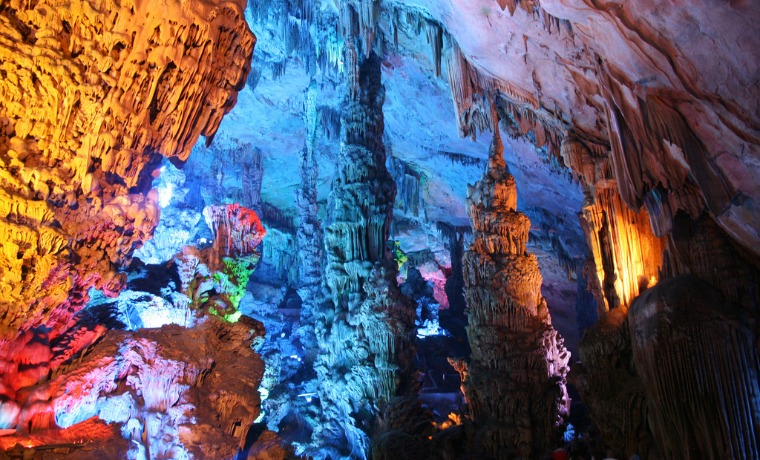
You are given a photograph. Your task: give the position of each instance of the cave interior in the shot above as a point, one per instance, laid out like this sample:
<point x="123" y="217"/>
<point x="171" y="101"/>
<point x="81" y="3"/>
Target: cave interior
<point x="379" y="229"/>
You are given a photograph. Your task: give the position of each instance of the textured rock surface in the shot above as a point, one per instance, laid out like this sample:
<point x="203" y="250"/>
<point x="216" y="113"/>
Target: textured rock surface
<point x="515" y="379"/>
<point x="607" y="379"/>
<point x="365" y="329"/>
<point x="653" y="107"/>
<point x="654" y="83"/>
<point x="92" y="94"/>
<point x="699" y="365"/>
<point x="169" y="390"/>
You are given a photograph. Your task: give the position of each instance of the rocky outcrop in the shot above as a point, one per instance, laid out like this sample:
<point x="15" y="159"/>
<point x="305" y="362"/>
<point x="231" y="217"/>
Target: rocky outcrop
<point x="698" y="360"/>
<point x="169" y="390"/>
<point x="514" y="382"/>
<point x="606" y="376"/>
<point x="93" y="93"/>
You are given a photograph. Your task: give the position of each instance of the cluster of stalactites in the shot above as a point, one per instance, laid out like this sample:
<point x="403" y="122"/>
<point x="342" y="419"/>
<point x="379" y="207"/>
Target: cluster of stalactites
<point x="237" y="230"/>
<point x="514" y="382"/>
<point x="309" y="31"/>
<point x="698" y="361"/>
<point x="550" y="22"/>
<point x="413" y="22"/>
<point x="92" y="94"/>
<point x="626" y="253"/>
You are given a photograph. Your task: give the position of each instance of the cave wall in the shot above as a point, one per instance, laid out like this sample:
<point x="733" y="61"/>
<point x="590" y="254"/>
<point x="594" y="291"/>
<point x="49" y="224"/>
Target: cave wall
<point x="93" y="94"/>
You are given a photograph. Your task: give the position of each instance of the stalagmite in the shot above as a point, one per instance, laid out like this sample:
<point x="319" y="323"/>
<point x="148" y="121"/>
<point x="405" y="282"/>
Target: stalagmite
<point x="365" y="327"/>
<point x="309" y="236"/>
<point x="514" y="382"/>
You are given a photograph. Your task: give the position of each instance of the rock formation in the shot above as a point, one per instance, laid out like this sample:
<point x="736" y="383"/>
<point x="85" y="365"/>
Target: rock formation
<point x="698" y="385"/>
<point x="309" y="237"/>
<point x="169" y="389"/>
<point x="365" y="329"/>
<point x="514" y="381"/>
<point x="92" y="95"/>
<point x="606" y="377"/>
<point x="645" y="112"/>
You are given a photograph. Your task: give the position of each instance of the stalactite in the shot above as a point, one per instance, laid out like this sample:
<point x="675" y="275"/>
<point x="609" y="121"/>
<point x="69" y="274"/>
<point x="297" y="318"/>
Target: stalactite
<point x="252" y="177"/>
<point x="514" y="382"/>
<point x="523" y="119"/>
<point x="468" y="89"/>
<point x="456" y="239"/>
<point x="627" y="255"/>
<point x="461" y="159"/>
<point x="329" y="120"/>
<point x="408" y="181"/>
<point x="434" y="35"/>
<point x="276" y="217"/>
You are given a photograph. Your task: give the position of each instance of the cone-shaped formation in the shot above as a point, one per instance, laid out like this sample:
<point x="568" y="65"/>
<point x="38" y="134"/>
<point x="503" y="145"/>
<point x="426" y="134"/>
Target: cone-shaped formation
<point x="365" y="329"/>
<point x="515" y="380"/>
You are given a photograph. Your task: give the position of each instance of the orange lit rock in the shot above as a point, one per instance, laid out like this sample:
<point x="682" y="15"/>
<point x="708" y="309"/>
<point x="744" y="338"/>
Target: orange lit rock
<point x="514" y="382"/>
<point x="627" y="255"/>
<point x="91" y="95"/>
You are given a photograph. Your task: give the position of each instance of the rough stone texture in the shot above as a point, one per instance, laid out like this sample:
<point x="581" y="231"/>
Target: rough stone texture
<point x="309" y="236"/>
<point x="699" y="365"/>
<point x="514" y="382"/>
<point x="92" y="94"/>
<point x="654" y="84"/>
<point x="606" y="377"/>
<point x="169" y="390"/>
<point x="365" y="329"/>
<point x="627" y="255"/>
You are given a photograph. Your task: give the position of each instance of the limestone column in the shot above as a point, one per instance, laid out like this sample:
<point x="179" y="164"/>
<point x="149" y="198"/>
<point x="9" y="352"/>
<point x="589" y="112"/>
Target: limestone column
<point x="514" y="383"/>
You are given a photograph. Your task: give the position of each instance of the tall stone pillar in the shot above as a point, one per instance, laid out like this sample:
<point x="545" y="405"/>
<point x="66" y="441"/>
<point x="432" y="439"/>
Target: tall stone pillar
<point x="514" y="382"/>
<point x="365" y="327"/>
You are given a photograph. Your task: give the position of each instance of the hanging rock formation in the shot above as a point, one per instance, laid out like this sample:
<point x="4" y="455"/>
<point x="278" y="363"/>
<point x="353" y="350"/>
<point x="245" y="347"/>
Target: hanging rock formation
<point x="514" y="382"/>
<point x="92" y="94"/>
